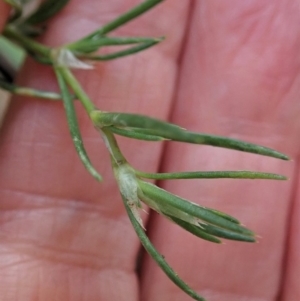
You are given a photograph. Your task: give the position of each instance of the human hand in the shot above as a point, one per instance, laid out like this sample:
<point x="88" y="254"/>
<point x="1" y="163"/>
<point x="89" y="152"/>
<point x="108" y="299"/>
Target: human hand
<point x="65" y="237"/>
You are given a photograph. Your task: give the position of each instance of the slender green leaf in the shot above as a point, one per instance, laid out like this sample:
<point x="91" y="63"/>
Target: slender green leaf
<point x="158" y="258"/>
<point x="165" y="209"/>
<point x="175" y="133"/>
<point x="87" y="46"/>
<point x="242" y="174"/>
<point x="197" y="231"/>
<point x="206" y="231"/>
<point x="73" y="125"/>
<point x="210" y="229"/>
<point x="156" y="193"/>
<point x="148" y="131"/>
<point x="135" y="135"/>
<point x="123" y="19"/>
<point x="47" y="10"/>
<point x="122" y="53"/>
<point x="135" y="121"/>
<point x="224" y="215"/>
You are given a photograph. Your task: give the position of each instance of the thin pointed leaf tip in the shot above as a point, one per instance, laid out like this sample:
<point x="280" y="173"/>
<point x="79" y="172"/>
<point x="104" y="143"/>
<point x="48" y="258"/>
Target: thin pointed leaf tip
<point x="203" y="222"/>
<point x="169" y="131"/>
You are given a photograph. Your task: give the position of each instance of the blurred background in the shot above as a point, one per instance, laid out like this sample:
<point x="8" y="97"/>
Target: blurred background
<point x="11" y="58"/>
<point x="4" y="100"/>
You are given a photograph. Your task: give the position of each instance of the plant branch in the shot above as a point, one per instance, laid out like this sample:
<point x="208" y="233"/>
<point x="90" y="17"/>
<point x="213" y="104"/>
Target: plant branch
<point x="113" y="147"/>
<point x="79" y="92"/>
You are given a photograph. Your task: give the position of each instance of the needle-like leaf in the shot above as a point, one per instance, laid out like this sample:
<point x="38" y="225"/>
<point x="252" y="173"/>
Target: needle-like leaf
<point x="224" y="233"/>
<point x="159" y="259"/>
<point x="224" y="215"/>
<point x="206" y="223"/>
<point x="197" y="231"/>
<point x="123" y="19"/>
<point x="135" y="135"/>
<point x="208" y="216"/>
<point x="87" y="46"/>
<point x="241" y="174"/>
<point x="121" y="53"/>
<point x="170" y="131"/>
<point x="73" y="125"/>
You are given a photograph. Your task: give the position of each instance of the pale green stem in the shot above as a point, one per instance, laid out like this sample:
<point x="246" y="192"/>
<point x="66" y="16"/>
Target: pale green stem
<point x="112" y="145"/>
<point x="76" y="87"/>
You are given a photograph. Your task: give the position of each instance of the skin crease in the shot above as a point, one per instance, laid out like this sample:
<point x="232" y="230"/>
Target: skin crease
<point x="65" y="237"/>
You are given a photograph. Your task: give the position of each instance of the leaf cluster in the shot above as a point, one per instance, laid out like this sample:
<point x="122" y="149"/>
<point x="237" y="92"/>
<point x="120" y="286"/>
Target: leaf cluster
<point x="206" y="223"/>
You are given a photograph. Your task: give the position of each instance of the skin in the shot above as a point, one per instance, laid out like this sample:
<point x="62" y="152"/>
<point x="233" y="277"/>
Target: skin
<point x="228" y="68"/>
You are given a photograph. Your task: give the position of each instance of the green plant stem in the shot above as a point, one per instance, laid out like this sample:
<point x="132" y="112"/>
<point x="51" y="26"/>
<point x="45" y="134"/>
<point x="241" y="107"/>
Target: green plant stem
<point x="79" y="92"/>
<point x="30" y="45"/>
<point x="112" y="145"/>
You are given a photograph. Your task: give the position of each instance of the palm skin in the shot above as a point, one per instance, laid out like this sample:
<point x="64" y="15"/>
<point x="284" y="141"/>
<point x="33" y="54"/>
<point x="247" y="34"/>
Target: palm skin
<point x="229" y="68"/>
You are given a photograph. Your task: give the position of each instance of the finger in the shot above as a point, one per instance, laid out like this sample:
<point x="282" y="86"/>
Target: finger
<point x="291" y="290"/>
<point x="239" y="78"/>
<point x="63" y="235"/>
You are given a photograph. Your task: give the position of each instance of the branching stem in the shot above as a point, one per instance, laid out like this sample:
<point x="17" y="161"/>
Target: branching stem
<point x="79" y="92"/>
